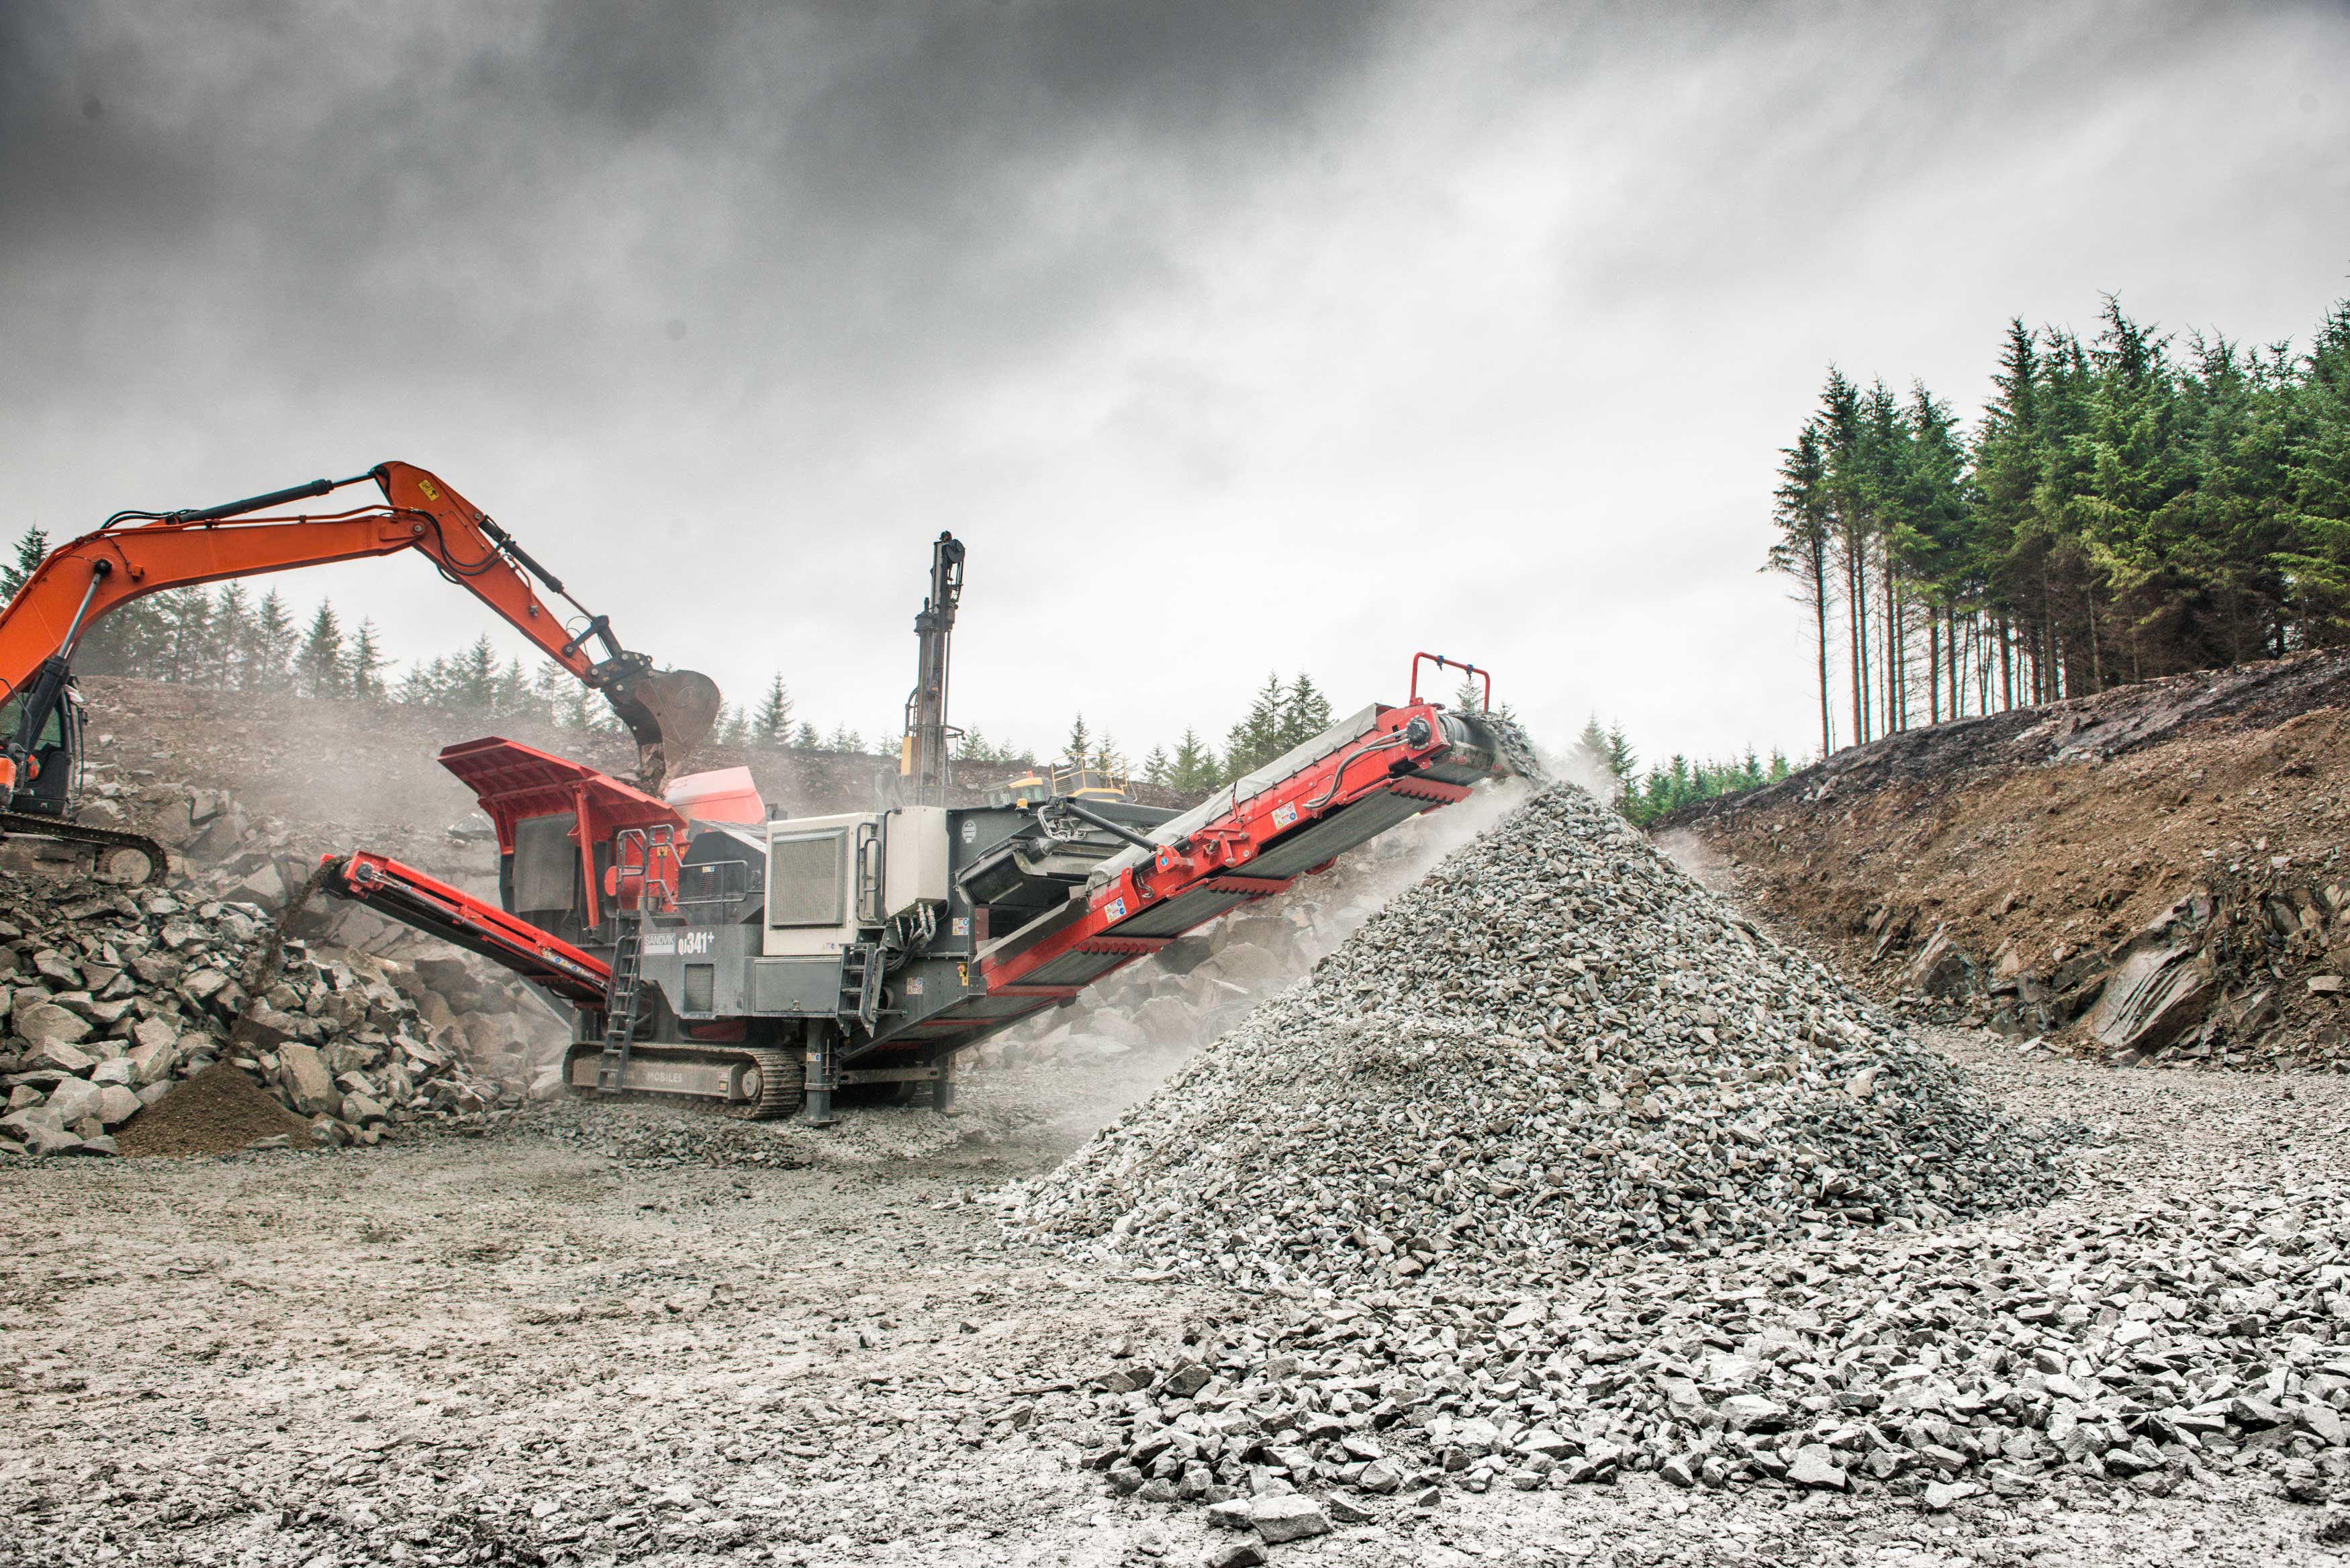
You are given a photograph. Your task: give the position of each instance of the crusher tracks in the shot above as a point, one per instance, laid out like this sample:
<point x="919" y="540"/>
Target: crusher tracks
<point x="112" y="851"/>
<point x="774" y="1078"/>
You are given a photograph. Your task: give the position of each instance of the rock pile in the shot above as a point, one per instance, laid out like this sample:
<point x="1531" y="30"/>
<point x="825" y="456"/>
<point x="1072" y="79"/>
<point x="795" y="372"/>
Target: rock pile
<point x="1558" y="1051"/>
<point x="367" y="1024"/>
<point x="114" y="995"/>
<point x="1558" y="1171"/>
<point x="2151" y="1349"/>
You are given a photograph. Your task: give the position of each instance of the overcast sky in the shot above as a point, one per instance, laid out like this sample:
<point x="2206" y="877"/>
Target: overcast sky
<point x="1232" y="336"/>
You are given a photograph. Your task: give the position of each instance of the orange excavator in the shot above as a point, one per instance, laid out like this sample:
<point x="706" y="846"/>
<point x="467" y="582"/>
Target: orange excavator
<point x="667" y="712"/>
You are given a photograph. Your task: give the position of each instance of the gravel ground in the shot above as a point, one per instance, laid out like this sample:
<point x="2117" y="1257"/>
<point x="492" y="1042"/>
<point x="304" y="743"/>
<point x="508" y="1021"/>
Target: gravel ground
<point x="575" y="1340"/>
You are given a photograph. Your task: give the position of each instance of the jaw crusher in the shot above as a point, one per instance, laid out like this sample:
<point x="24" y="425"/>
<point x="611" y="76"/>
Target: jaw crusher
<point x="757" y="966"/>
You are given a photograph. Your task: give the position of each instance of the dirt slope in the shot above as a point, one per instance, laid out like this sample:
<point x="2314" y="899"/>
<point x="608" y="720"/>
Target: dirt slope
<point x="2156" y="872"/>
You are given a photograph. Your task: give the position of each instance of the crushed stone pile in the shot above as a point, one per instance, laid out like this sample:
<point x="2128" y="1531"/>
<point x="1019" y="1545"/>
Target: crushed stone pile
<point x="1556" y="1051"/>
<point x="1558" y="1171"/>
<point x="114" y="996"/>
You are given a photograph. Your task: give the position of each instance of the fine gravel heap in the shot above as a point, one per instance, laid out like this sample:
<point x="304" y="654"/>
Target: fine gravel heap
<point x="1555" y="1052"/>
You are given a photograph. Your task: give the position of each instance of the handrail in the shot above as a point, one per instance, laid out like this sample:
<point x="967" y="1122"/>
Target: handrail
<point x="1444" y="663"/>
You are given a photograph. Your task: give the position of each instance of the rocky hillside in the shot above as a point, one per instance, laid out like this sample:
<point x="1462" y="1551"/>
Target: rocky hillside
<point x="2155" y="874"/>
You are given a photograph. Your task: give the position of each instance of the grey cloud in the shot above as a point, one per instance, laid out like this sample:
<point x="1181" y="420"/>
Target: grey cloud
<point x="844" y="196"/>
<point x="1147" y="296"/>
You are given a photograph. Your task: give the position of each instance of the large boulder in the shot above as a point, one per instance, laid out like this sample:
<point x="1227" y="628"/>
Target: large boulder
<point x="153" y="1058"/>
<point x="1248" y="964"/>
<point x="1941" y="969"/>
<point x="47" y="1024"/>
<point x="268" y="1028"/>
<point x="73" y="1099"/>
<point x="309" y="1085"/>
<point x="2157" y="994"/>
<point x="1288" y="1516"/>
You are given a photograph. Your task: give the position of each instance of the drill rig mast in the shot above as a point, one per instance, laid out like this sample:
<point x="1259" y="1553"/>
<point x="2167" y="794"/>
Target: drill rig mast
<point x="922" y="755"/>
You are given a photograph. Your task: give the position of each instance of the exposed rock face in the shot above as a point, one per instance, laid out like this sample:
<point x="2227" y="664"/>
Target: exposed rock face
<point x="2152" y="997"/>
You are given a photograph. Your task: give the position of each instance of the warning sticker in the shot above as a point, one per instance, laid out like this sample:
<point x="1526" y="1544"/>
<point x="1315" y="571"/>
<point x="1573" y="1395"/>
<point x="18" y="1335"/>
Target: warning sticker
<point x="1285" y="816"/>
<point x="1117" y="909"/>
<point x="914" y="986"/>
<point x="963" y="925"/>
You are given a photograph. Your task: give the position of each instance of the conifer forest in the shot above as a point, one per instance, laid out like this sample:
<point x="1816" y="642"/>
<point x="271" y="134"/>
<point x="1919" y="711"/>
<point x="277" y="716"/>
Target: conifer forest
<point x="2129" y="505"/>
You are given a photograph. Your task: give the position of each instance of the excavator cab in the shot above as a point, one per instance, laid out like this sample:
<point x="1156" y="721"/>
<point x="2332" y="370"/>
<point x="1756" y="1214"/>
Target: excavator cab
<point x="49" y="782"/>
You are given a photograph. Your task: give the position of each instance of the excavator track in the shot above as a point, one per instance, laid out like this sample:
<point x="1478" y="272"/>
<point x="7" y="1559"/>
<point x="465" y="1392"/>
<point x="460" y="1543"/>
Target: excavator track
<point x="772" y="1079"/>
<point x="109" y="846"/>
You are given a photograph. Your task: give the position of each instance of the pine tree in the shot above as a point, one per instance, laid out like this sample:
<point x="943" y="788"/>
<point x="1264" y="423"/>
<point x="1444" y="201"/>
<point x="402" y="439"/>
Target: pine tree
<point x="271" y="644"/>
<point x="578" y="707"/>
<point x="510" y="692"/>
<point x="2123" y="510"/>
<point x="32" y="548"/>
<point x="805" y="739"/>
<point x="1195" y="766"/>
<point x="318" y="665"/>
<point x="1304" y="713"/>
<point x="773" y="722"/>
<point x="182" y="643"/>
<point x="1080" y="744"/>
<point x="232" y="632"/>
<point x="1803" y="515"/>
<point x="1622" y="760"/>
<point x="2316" y="484"/>
<point x="474" y="677"/>
<point x="1158" y="768"/>
<point x="1256" y="739"/>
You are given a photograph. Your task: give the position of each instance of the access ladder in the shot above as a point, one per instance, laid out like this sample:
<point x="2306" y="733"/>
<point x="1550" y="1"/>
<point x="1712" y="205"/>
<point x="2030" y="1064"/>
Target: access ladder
<point x="620" y="1002"/>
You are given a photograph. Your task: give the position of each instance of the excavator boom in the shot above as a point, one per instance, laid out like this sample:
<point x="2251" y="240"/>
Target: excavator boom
<point x="668" y="713"/>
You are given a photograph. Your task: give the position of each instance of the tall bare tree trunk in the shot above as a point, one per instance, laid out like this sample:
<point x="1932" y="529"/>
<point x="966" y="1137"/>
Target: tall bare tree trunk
<point x="1862" y="689"/>
<point x="1958" y="689"/>
<point x="2006" y="667"/>
<point x="1933" y="668"/>
<point x="1892" y="648"/>
<point x="1820" y="618"/>
<point x="2097" y="663"/>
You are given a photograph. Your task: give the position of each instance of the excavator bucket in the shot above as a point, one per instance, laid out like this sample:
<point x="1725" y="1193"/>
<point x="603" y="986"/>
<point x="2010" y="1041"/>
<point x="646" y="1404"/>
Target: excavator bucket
<point x="669" y="712"/>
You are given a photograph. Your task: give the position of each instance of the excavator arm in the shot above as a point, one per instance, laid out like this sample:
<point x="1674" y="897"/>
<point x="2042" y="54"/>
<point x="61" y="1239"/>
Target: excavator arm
<point x="136" y="554"/>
